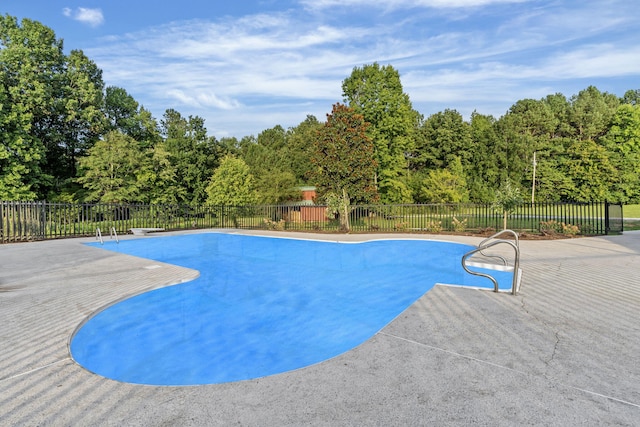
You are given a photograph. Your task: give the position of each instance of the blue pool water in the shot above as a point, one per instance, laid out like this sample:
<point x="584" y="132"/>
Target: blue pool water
<point x="261" y="305"/>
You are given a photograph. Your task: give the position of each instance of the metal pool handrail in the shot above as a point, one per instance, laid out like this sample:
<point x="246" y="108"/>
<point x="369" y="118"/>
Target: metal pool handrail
<point x="490" y="242"/>
<point x="112" y="234"/>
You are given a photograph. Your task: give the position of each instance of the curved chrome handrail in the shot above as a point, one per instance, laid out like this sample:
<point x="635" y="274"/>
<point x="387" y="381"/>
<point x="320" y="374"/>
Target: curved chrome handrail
<point x="113" y="233"/>
<point x="494" y="236"/>
<point x="500" y="233"/>
<point x="486" y="244"/>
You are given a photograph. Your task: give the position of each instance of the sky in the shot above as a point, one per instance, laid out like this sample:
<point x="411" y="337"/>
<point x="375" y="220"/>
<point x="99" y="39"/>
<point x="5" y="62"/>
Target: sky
<point x="246" y="66"/>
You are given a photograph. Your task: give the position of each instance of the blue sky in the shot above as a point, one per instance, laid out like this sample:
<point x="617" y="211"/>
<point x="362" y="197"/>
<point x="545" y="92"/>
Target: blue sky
<point x="245" y="66"/>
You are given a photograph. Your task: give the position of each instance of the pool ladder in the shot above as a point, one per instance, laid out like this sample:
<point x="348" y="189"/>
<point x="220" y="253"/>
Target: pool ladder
<point x="112" y="234"/>
<point x="490" y="242"/>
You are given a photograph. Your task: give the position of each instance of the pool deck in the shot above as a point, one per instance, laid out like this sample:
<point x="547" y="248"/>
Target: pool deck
<point x="564" y="352"/>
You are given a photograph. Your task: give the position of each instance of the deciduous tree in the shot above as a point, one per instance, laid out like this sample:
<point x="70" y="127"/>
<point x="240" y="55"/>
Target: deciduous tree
<point x="376" y="93"/>
<point x="110" y="171"/>
<point x="192" y="154"/>
<point x="231" y="184"/>
<point x="31" y="63"/>
<point x="447" y="185"/>
<point x="623" y="143"/>
<point x="51" y="108"/>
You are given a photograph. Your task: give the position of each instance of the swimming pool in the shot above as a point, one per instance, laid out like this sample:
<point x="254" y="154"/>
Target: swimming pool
<point x="261" y="305"/>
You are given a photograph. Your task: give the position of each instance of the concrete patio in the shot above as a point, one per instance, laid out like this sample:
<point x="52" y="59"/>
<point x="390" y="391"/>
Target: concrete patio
<point x="564" y="352"/>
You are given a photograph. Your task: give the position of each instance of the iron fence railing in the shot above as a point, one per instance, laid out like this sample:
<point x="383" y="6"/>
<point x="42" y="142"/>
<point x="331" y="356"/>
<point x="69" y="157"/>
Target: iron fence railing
<point x="23" y="221"/>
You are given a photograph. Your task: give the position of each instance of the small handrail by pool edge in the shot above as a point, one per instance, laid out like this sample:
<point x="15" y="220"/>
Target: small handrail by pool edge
<point x="490" y="242"/>
<point x="113" y="233"/>
<point x="99" y="235"/>
<point x="494" y="236"/>
<point x="500" y="233"/>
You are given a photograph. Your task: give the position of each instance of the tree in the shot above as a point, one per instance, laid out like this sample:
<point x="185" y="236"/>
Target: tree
<point x="231" y="184"/>
<point x="442" y="138"/>
<point x="526" y="128"/>
<point x="110" y="171"/>
<point x="273" y="178"/>
<point x="192" y="154"/>
<point x="31" y="61"/>
<point x="591" y="113"/>
<point x="589" y="166"/>
<point x="487" y="159"/>
<point x="631" y="97"/>
<point x="376" y="93"/>
<point x="344" y="160"/>
<point x="446" y="185"/>
<point x="125" y="115"/>
<point x="560" y="107"/>
<point x="80" y="121"/>
<point x="273" y="138"/>
<point x="270" y="164"/>
<point x="51" y="109"/>
<point x="20" y="153"/>
<point x="227" y="146"/>
<point x="157" y="177"/>
<point x="298" y="144"/>
<point x="120" y="109"/>
<point x="508" y="198"/>
<point x="623" y="143"/>
<point x="553" y="180"/>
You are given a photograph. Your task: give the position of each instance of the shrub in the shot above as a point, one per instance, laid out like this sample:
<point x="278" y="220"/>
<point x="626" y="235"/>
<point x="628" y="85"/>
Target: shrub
<point x="549" y="228"/>
<point x="552" y="227"/>
<point x="459" y="226"/>
<point x="274" y="225"/>
<point x="400" y="226"/>
<point x="433" y="227"/>
<point x="570" y="230"/>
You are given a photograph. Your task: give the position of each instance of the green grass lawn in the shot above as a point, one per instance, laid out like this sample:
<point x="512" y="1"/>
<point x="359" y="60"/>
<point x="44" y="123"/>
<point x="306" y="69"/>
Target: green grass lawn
<point x="631" y="211"/>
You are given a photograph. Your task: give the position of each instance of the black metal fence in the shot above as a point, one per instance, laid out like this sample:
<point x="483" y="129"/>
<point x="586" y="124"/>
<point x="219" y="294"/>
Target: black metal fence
<point x="24" y="221"/>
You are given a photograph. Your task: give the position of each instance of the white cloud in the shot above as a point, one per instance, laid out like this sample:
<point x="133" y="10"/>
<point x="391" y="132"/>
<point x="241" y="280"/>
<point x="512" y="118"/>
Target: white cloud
<point x="250" y="73"/>
<point x="203" y="99"/>
<point x="91" y="17"/>
<point x="591" y="61"/>
<point x="279" y="58"/>
<point x="397" y="4"/>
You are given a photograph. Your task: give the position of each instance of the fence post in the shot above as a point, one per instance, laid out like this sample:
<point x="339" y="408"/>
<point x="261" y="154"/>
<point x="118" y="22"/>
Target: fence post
<point x="613" y="227"/>
<point x="43" y="220"/>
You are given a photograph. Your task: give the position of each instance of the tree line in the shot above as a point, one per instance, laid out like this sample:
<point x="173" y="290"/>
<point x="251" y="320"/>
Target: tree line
<point x="66" y="136"/>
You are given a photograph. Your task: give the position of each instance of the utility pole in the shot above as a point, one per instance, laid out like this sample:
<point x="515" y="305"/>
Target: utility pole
<point x="533" y="185"/>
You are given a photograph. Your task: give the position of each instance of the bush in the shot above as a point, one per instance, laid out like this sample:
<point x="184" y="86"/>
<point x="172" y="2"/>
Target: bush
<point x="433" y="227"/>
<point x="399" y="226"/>
<point x="552" y="228"/>
<point x="459" y="226"/>
<point x="274" y="225"/>
<point x="570" y="230"/>
<point x="549" y="228"/>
